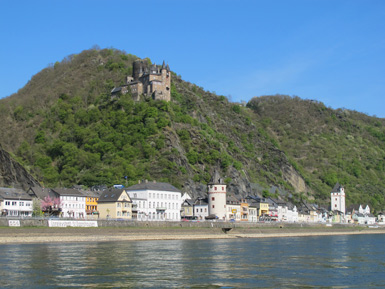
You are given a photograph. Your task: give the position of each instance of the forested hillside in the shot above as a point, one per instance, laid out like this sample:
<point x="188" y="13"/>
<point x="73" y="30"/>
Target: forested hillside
<point x="65" y="128"/>
<point x="329" y="145"/>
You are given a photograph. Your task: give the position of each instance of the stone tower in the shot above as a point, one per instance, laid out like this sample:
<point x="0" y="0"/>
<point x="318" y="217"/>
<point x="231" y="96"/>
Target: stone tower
<point x="337" y="196"/>
<point x="216" y="190"/>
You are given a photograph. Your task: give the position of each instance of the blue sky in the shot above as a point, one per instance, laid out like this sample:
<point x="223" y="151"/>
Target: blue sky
<point x="328" y="50"/>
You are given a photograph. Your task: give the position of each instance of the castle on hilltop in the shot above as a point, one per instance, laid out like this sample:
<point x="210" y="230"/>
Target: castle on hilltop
<point x="147" y="79"/>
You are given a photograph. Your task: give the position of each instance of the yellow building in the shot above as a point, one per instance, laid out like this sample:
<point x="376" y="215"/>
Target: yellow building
<point x="115" y="204"/>
<point x="244" y="211"/>
<point x="263" y="208"/>
<point x="91" y="203"/>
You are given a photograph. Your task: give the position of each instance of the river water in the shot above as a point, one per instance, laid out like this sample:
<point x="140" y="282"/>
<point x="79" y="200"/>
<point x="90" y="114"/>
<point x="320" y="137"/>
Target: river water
<point x="355" y="261"/>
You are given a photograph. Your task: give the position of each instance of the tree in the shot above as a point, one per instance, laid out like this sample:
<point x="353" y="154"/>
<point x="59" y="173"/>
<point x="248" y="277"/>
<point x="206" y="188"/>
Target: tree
<point x="36" y="208"/>
<point x="52" y="206"/>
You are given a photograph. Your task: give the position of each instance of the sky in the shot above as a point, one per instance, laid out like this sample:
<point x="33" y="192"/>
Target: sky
<point x="332" y="51"/>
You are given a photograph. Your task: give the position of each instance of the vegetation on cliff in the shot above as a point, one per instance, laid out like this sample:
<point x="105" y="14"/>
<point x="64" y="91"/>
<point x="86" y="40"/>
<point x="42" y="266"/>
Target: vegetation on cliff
<point x="65" y="128"/>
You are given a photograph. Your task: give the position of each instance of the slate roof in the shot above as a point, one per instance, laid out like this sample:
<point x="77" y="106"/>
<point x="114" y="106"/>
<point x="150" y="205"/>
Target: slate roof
<point x="201" y="202"/>
<point x="337" y="188"/>
<point x="110" y="196"/>
<point x="40" y="193"/>
<point x="216" y="179"/>
<point x="153" y="186"/>
<point x="67" y="192"/>
<point x="188" y="202"/>
<point x="13" y="194"/>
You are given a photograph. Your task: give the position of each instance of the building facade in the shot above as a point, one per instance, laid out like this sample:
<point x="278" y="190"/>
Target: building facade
<point x="155" y="201"/>
<point x="216" y="190"/>
<point x="15" y="203"/>
<point x="337" y="197"/>
<point x="115" y="204"/>
<point x="72" y="202"/>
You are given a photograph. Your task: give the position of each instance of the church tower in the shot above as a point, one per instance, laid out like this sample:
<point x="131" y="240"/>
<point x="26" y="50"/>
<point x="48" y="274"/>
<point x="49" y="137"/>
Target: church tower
<point x="216" y="190"/>
<point x="337" y="196"/>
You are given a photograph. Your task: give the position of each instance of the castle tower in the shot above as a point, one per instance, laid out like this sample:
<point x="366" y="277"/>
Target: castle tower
<point x="337" y="196"/>
<point x="216" y="190"/>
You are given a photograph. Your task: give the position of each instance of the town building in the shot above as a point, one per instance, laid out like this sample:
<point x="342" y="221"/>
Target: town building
<point x="91" y="203"/>
<point x="72" y="202"/>
<point x="337" y="197"/>
<point x="15" y="203"/>
<point x="147" y="79"/>
<point x="233" y="209"/>
<point x="115" y="204"/>
<point x="244" y="208"/>
<point x="201" y="208"/>
<point x="155" y="201"/>
<point x="187" y="209"/>
<point x="216" y="190"/>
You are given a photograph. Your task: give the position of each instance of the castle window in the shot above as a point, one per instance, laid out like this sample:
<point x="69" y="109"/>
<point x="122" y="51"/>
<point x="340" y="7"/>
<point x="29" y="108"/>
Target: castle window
<point x="213" y="199"/>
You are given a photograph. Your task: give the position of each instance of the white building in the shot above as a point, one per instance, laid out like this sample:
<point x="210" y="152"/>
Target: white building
<point x="216" y="190"/>
<point x="72" y="202"/>
<point x="155" y="201"/>
<point x="337" y="197"/>
<point x="201" y="208"/>
<point x="15" y="203"/>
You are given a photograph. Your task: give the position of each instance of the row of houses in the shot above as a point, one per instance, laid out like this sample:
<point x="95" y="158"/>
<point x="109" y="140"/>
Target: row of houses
<point x="156" y="201"/>
<point x="143" y="201"/>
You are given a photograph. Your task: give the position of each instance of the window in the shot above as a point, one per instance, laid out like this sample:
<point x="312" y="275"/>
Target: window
<point x="215" y="188"/>
<point x="13" y="203"/>
<point x="21" y="204"/>
<point x="223" y="188"/>
<point x="212" y="198"/>
<point x="118" y="205"/>
<point x="213" y="206"/>
<point x="7" y="203"/>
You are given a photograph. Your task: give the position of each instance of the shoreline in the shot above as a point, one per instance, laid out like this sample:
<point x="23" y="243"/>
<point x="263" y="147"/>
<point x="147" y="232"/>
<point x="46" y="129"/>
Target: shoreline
<point x="36" y="235"/>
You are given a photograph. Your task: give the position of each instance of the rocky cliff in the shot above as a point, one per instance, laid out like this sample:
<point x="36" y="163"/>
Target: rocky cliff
<point x="12" y="174"/>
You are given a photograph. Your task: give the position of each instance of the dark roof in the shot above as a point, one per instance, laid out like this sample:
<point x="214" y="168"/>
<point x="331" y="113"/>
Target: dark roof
<point x="40" y="193"/>
<point x="337" y="188"/>
<point x="111" y="196"/>
<point x="90" y="194"/>
<point x="154" y="186"/>
<point x="116" y="89"/>
<point x="14" y="194"/>
<point x="188" y="202"/>
<point x="201" y="202"/>
<point x="216" y="179"/>
<point x="67" y="192"/>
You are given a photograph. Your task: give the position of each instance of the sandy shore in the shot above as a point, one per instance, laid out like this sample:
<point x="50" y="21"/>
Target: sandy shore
<point x="10" y="235"/>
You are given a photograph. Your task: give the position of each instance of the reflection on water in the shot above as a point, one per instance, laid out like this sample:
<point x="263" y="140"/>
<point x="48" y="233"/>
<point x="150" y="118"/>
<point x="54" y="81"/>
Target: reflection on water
<point x="307" y="262"/>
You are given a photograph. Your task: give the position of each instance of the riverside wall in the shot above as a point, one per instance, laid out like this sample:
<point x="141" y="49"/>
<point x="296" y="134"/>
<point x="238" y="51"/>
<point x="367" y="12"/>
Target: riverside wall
<point x="43" y="222"/>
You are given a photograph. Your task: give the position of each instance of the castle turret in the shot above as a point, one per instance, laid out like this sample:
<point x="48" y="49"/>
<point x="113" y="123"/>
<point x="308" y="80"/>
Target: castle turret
<point x="216" y="190"/>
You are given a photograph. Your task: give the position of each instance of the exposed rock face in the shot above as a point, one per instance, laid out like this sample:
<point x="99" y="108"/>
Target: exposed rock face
<point x="12" y="174"/>
<point x="291" y="176"/>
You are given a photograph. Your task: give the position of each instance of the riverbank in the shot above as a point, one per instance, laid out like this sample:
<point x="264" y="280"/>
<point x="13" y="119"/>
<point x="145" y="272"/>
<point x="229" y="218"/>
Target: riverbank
<point x="9" y="235"/>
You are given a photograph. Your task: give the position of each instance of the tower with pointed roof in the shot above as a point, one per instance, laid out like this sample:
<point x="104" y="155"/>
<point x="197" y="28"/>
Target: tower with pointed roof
<point x="337" y="196"/>
<point x="216" y="190"/>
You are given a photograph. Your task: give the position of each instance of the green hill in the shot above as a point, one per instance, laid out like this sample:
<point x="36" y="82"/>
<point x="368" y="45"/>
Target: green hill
<point x="65" y="129"/>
